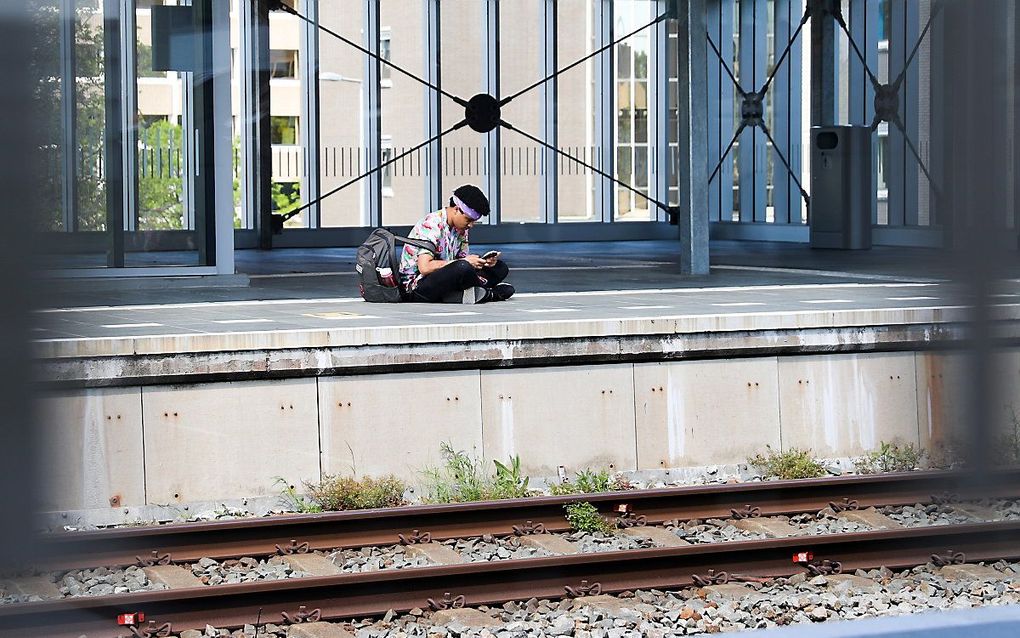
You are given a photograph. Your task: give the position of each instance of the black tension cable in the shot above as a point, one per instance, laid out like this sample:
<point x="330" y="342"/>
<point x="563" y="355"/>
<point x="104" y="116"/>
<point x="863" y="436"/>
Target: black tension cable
<point x="887" y="96"/>
<point x="586" y="165"/>
<point x="752" y="108"/>
<point x="279" y="5"/>
<point x="378" y="168"/>
<point x="481" y="113"/>
<point x="559" y="72"/>
<point x="887" y="100"/>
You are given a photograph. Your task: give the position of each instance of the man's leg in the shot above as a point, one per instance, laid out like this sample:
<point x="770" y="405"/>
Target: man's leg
<point x="445" y="284"/>
<point x="495" y="274"/>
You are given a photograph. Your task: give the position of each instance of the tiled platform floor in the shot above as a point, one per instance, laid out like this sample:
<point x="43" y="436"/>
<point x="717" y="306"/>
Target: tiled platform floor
<point x="302" y="289"/>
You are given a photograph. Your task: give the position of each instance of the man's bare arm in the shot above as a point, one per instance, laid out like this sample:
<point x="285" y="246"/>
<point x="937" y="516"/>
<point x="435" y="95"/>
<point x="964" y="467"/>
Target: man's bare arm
<point x="428" y="264"/>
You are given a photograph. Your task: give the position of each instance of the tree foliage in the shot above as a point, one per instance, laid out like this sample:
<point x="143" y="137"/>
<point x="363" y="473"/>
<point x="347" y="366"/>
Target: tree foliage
<point x="160" y="186"/>
<point x="89" y="115"/>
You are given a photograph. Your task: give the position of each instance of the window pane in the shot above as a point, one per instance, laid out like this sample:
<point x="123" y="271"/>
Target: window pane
<point x="341" y="117"/>
<point x="47" y="101"/>
<point x="284" y="130"/>
<point x="575" y="110"/>
<point x="463" y="151"/>
<point x="403" y="115"/>
<point x="90" y="116"/>
<point x="641" y="167"/>
<point x="285" y="102"/>
<point x="283" y="64"/>
<point x="624" y="166"/>
<point x="641" y="126"/>
<point x="162" y="154"/>
<point x="520" y="66"/>
<point x="623" y="58"/>
<point x="641" y="61"/>
<point x="632" y="105"/>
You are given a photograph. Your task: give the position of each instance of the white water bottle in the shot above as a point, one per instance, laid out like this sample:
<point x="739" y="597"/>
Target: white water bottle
<point x="386" y="277"/>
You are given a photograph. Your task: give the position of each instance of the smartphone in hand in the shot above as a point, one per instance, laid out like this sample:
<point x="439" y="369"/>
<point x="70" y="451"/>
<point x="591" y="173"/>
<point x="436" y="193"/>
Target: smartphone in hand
<point x="492" y="254"/>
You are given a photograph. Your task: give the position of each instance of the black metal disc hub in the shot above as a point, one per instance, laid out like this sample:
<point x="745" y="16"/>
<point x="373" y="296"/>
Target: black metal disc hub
<point x="482" y="113"/>
<point x="752" y="109"/>
<point x="887" y="102"/>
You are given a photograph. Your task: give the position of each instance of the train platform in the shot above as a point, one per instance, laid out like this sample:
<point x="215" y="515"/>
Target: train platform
<point x="594" y="292"/>
<point x="606" y="345"/>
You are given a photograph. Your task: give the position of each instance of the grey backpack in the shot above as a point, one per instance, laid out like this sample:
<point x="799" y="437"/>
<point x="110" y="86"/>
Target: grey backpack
<point x="378" y="265"/>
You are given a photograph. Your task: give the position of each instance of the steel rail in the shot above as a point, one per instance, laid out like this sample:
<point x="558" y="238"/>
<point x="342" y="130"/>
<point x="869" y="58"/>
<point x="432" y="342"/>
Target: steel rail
<point x="368" y="594"/>
<point x="252" y="537"/>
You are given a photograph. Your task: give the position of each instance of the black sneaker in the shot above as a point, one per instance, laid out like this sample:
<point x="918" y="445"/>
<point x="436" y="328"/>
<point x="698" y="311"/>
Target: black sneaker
<point x="502" y="292"/>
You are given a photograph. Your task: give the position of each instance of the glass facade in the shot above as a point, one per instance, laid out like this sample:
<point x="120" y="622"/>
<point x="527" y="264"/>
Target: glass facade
<point x="126" y="188"/>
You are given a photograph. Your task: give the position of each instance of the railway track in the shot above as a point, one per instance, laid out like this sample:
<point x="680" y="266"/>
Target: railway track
<point x="250" y="537"/>
<point x="365" y="594"/>
<point x="373" y="593"/>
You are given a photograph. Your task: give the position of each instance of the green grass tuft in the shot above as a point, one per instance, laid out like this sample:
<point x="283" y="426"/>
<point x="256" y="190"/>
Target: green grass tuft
<point x="890" y="457"/>
<point x="792" y="464"/>
<point x="337" y="493"/>
<point x="462" y="479"/>
<point x="590" y="482"/>
<point x="585" y="517"/>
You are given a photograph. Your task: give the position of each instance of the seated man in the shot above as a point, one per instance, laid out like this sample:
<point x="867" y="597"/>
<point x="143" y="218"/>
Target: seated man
<point x="454" y="275"/>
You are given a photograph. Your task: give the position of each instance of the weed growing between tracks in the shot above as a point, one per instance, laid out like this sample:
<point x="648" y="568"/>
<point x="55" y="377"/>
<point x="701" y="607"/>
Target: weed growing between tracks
<point x="792" y="464"/>
<point x="336" y="493"/>
<point x="890" y="457"/>
<point x="585" y="517"/>
<point x="590" y="482"/>
<point x="463" y="479"/>
<point x="294" y="501"/>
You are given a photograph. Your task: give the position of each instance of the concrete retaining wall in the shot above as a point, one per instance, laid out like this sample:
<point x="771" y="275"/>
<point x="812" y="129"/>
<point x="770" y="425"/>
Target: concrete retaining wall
<point x="170" y="444"/>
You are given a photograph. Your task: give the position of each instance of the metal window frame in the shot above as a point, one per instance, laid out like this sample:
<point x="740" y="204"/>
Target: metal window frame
<point x="903" y="173"/>
<point x="371" y="96"/>
<point x="223" y="141"/>
<point x="214" y="237"/>
<point x="605" y="113"/>
<point x="69" y="108"/>
<point x="549" y="195"/>
<point x="751" y="154"/>
<point x="129" y="78"/>
<point x="308" y="54"/>
<point x="863" y="18"/>
<point x="204" y="92"/>
<point x="787" y="116"/>
<point x="490" y="79"/>
<point x="433" y="104"/>
<point x="256" y="140"/>
<point x="721" y="123"/>
<point x="659" y="155"/>
<point x="113" y="139"/>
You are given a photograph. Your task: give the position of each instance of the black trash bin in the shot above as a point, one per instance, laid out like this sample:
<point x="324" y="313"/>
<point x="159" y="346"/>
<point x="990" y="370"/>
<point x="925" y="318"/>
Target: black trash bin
<point x="841" y="187"/>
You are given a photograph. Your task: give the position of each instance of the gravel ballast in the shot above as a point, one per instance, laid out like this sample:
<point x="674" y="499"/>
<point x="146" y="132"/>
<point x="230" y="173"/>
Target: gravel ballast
<point x="694" y="611"/>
